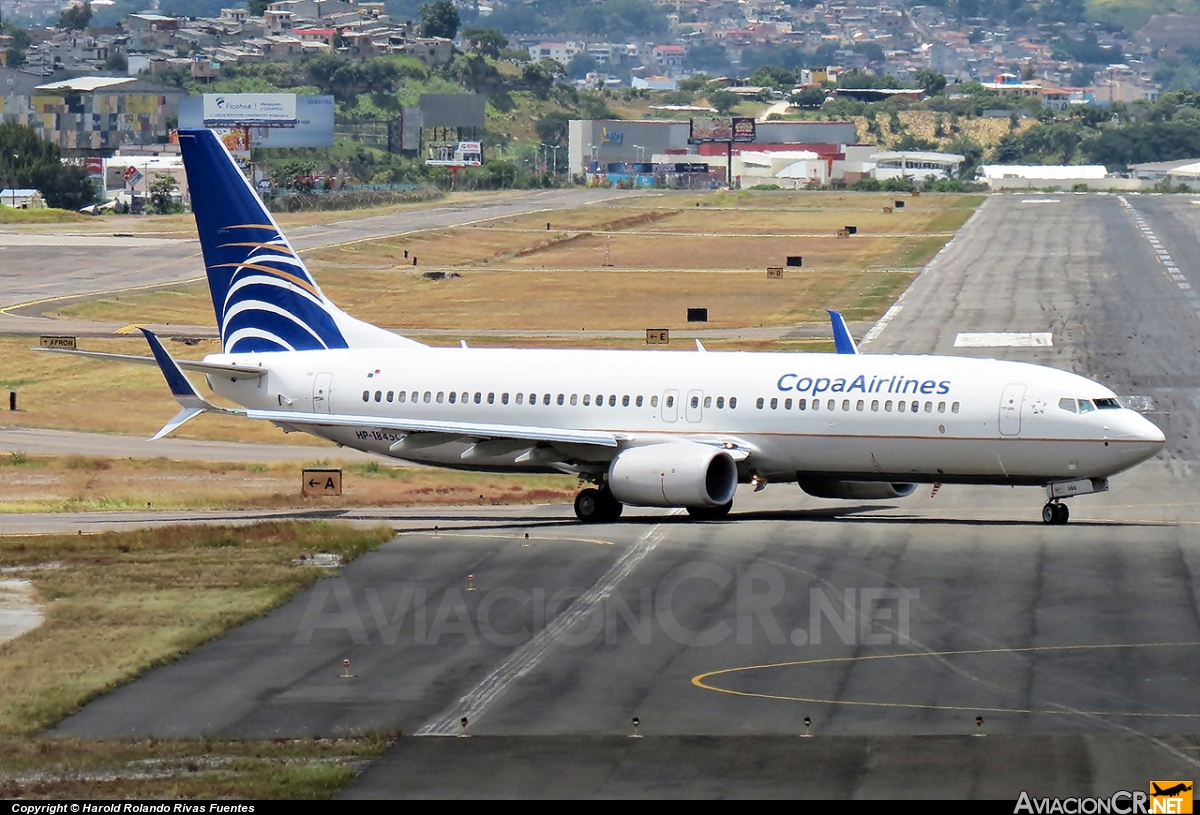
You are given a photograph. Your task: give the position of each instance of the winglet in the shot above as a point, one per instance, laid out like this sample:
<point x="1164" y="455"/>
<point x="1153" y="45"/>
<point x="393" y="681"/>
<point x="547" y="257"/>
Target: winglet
<point x="185" y="393"/>
<point x="843" y="343"/>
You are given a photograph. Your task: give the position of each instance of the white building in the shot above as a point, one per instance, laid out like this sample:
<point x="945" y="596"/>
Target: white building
<point x="915" y="165"/>
<point x="1022" y="176"/>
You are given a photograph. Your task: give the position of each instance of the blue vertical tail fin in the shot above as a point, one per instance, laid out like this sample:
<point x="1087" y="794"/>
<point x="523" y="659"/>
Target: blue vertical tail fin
<point x="263" y="295"/>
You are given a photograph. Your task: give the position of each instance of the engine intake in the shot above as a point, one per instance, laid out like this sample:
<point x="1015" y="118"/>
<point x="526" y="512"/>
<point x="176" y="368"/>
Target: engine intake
<point x="673" y="474"/>
<point x="857" y="490"/>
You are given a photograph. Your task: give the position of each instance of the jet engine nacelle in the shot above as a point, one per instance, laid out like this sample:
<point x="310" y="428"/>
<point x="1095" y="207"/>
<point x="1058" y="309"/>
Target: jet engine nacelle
<point x="857" y="490"/>
<point x="673" y="474"/>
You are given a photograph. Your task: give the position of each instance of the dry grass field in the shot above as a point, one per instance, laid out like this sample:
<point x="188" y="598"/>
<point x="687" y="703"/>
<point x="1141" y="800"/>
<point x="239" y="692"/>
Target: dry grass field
<point x="85" y="483"/>
<point x="117" y="604"/>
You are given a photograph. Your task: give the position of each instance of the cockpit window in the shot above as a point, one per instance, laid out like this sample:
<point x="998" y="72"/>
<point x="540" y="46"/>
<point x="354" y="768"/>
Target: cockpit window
<point x="1067" y="405"/>
<point x="1107" y="404"/>
<point x="1086" y="406"/>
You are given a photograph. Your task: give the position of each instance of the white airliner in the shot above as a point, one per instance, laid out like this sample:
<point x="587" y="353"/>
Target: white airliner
<point x="647" y="428"/>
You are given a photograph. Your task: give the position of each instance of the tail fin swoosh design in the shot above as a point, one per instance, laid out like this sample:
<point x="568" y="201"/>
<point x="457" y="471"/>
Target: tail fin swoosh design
<point x="262" y="293"/>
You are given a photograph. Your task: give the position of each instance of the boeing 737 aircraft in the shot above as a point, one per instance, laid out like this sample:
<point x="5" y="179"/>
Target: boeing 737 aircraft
<point x="646" y="428"/>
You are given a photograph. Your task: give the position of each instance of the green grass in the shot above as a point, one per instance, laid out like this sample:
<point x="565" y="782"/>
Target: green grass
<point x="10" y="215"/>
<point x="922" y="251"/>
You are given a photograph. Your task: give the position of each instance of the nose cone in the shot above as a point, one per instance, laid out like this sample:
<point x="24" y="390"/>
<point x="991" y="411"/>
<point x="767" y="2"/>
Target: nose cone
<point x="1139" y="438"/>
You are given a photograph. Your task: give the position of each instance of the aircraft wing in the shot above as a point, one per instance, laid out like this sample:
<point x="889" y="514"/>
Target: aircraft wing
<point x="185" y="364"/>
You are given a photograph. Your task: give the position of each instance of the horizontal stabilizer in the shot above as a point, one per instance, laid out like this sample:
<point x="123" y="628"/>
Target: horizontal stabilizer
<point x="843" y="343"/>
<point x="186" y="364"/>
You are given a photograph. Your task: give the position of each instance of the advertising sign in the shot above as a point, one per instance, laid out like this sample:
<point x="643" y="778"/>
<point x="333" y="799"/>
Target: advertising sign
<point x="249" y="108"/>
<point x="313" y="126"/>
<point x="722" y="129"/>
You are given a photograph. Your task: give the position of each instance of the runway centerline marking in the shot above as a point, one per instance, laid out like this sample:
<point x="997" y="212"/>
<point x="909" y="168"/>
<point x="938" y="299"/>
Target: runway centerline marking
<point x="523" y="660"/>
<point x="702" y="680"/>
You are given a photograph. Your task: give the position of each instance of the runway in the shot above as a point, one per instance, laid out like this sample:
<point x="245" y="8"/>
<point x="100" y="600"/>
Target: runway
<point x="891" y="625"/>
<point x="40" y="269"/>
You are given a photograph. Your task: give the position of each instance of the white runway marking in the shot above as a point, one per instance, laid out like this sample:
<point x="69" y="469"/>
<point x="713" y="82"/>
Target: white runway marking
<point x="526" y="658"/>
<point x="1004" y="339"/>
<point x="1039" y="200"/>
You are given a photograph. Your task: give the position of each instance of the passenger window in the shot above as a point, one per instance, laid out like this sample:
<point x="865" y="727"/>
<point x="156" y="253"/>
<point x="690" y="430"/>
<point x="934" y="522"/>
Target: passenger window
<point x="587" y="399"/>
<point x="520" y="397"/>
<point x="366" y="396"/>
<point x="929" y="407"/>
<point x="533" y="398"/>
<point x="545" y="398"/>
<point x="816" y="404"/>
<point x="759" y="403"/>
<point x="504" y="398"/>
<point x="378" y="396"/>
<point x="787" y="404"/>
<point x="466" y="397"/>
<point x="845" y="404"/>
<point x="653" y="401"/>
<point x="916" y="406"/>
<point x="401" y="397"/>
<point x="478" y="397"/>
<point x="774" y="404"/>
<point x="440" y="396"/>
<point x="875" y="405"/>
<point x="612" y="400"/>
<point x="901" y="406"/>
<point x="941" y="407"/>
<point x="575" y="399"/>
<point x="639" y="401"/>
<point x="801" y="404"/>
<point x="732" y="402"/>
<point x="830" y="404"/>
<point x="561" y="398"/>
<point x="954" y="408"/>
<point x="670" y="401"/>
<point x="707" y="402"/>
<point x="416" y="397"/>
<point x="1085" y="406"/>
<point x="887" y="406"/>
<point x="861" y="404"/>
<point x="491" y="398"/>
<point x="625" y="400"/>
<point x="390" y="395"/>
<point x="428" y="396"/>
<point x="695" y="401"/>
<point x="720" y="402"/>
<point x="599" y="400"/>
<point x="453" y="397"/>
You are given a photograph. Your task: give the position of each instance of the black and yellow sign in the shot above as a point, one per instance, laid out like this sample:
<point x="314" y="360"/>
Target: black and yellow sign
<point x="321" y="482"/>
<point x="1171" y="797"/>
<point x="774" y="271"/>
<point x="55" y="341"/>
<point x="658" y="336"/>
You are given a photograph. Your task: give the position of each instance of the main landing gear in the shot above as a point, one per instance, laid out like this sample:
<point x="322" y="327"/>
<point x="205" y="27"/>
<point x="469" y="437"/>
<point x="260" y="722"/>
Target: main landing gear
<point x="710" y="513"/>
<point x="1055" y="513"/>
<point x="596" y="506"/>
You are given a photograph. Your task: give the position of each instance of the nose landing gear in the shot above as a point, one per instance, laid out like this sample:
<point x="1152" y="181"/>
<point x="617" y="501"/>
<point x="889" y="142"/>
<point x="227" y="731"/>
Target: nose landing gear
<point x="1055" y="513"/>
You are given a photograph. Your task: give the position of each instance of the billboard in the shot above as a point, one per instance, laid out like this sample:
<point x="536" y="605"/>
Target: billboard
<point x="313" y="125"/>
<point x="233" y="109"/>
<point x="738" y="129"/>
<point x="453" y="109"/>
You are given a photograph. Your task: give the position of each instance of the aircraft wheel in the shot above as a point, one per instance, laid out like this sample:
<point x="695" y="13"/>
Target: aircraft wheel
<point x="710" y="513"/>
<point x="1064" y="514"/>
<point x="612" y="507"/>
<point x="1049" y="512"/>
<point x="590" y="506"/>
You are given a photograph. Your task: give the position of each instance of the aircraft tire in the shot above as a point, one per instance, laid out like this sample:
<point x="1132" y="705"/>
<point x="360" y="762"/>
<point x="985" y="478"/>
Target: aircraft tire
<point x="590" y="506"/>
<point x="1049" y="514"/>
<point x="1064" y="514"/>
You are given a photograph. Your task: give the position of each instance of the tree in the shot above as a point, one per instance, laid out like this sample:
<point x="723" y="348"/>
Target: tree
<point x="486" y="42"/>
<point x="931" y="82"/>
<point x="27" y="160"/>
<point x="809" y="98"/>
<point x="15" y="53"/>
<point x="76" y="17"/>
<point x="117" y="62"/>
<point x="581" y="65"/>
<point x="258" y="7"/>
<point x="552" y="128"/>
<point x="160" y="194"/>
<point x="539" y="76"/>
<point x="439" y="19"/>
<point x="295" y="174"/>
<point x="724" y="101"/>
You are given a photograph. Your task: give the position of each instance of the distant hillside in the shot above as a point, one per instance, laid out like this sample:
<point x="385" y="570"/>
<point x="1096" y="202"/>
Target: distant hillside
<point x="1133" y="14"/>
